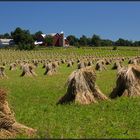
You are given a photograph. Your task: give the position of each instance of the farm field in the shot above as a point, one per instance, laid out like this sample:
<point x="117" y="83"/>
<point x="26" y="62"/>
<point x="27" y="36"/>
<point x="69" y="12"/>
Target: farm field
<point x="33" y="99"/>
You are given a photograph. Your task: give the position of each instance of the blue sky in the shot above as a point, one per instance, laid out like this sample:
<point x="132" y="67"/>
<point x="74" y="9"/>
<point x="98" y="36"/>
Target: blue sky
<point x="110" y="20"/>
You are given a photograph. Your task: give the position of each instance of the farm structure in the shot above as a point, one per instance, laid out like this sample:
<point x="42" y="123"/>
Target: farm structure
<point x="6" y="42"/>
<point x="58" y="39"/>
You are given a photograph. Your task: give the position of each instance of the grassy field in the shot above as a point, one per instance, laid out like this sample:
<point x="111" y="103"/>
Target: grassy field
<point x="33" y="99"/>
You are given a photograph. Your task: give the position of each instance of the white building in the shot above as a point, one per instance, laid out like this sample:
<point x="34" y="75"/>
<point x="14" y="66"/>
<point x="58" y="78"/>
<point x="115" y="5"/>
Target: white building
<point x="6" y="42"/>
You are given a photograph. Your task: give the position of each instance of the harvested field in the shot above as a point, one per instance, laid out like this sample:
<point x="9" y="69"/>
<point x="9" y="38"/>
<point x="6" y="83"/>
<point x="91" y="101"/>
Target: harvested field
<point x="33" y="99"/>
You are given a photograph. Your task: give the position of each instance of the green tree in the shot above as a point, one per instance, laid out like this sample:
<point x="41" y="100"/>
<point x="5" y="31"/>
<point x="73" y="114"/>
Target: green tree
<point x="22" y="36"/>
<point x="72" y="40"/>
<point x="123" y="42"/>
<point x="89" y="42"/>
<point x="36" y="35"/>
<point x="83" y="40"/>
<point x="22" y="46"/>
<point x="23" y="39"/>
<point x="6" y="35"/>
<point x="96" y="40"/>
<point x="106" y="42"/>
<point x="48" y="40"/>
<point x="136" y="43"/>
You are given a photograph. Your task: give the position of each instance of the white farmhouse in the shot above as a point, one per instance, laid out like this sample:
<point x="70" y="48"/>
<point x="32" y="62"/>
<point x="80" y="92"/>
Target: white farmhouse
<point x="6" y="42"/>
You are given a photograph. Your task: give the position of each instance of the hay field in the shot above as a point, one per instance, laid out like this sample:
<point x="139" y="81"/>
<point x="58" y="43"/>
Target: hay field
<point x="33" y="99"/>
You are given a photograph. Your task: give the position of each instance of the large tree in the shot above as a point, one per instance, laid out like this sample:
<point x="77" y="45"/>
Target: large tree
<point x="136" y="43"/>
<point x="48" y="40"/>
<point x="89" y="41"/>
<point x="22" y="36"/>
<point x="72" y="40"/>
<point x="123" y="42"/>
<point x="83" y="40"/>
<point x="37" y="34"/>
<point x="106" y="42"/>
<point x="96" y="40"/>
<point x="6" y="35"/>
<point x="23" y="39"/>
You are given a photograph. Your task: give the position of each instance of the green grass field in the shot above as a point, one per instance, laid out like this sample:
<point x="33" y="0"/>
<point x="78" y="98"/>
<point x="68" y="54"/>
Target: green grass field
<point x="33" y="99"/>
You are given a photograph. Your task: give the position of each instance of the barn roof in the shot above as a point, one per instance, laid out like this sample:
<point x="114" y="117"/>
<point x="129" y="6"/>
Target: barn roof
<point x="43" y="35"/>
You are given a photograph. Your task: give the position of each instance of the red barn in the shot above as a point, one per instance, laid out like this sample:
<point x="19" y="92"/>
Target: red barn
<point x="58" y="39"/>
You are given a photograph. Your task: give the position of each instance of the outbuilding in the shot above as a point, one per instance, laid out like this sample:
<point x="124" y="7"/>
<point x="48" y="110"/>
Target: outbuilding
<point x="6" y="42"/>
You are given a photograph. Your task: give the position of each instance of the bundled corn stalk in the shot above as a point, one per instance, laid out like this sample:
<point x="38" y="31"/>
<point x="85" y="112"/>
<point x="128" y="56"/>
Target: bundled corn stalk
<point x="4" y="63"/>
<point x="133" y="61"/>
<point x="62" y="61"/>
<point x="70" y="64"/>
<point x="90" y="63"/>
<point x="9" y="128"/>
<point x="58" y="62"/>
<point x="17" y="61"/>
<point x="122" y="58"/>
<point x="100" y="65"/>
<point x="108" y="61"/>
<point x="2" y="72"/>
<point x="35" y="62"/>
<point x="13" y="66"/>
<point x="78" y="60"/>
<point x="44" y="65"/>
<point x="28" y="70"/>
<point x="81" y="65"/>
<point x="50" y="69"/>
<point x="117" y="65"/>
<point x="82" y="88"/>
<point x="72" y="61"/>
<point x="55" y="66"/>
<point x="128" y="82"/>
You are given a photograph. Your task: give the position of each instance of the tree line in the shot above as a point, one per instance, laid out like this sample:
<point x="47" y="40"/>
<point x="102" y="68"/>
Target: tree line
<point x="96" y="41"/>
<point x="25" y="40"/>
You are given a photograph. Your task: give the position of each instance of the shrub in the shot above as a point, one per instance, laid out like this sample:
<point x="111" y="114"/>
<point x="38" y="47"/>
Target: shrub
<point x="25" y="46"/>
<point x="115" y="48"/>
